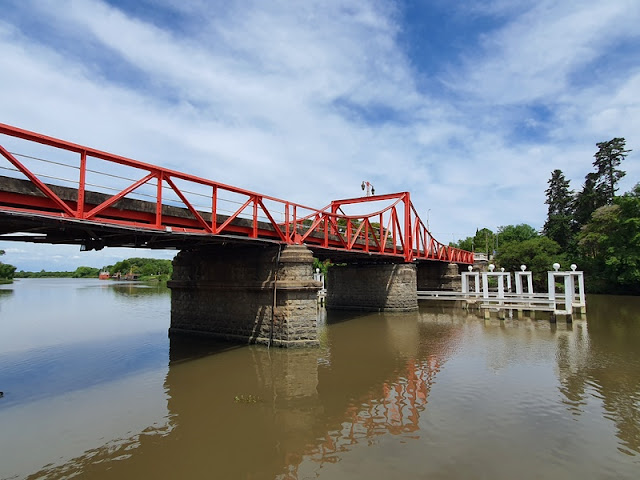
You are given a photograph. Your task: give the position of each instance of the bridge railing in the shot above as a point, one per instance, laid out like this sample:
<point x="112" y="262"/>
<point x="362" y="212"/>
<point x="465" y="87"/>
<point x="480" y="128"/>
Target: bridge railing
<point x="394" y="230"/>
<point x="146" y="196"/>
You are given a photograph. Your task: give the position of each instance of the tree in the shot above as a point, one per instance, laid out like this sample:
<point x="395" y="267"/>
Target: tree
<point x="6" y="271"/>
<point x="608" y="157"/>
<point x="483" y="241"/>
<point x="86" y="272"/>
<point x="586" y="201"/>
<point x="610" y="244"/>
<point x="560" y="200"/>
<point x="141" y="266"/>
<point x="516" y="233"/>
<point x="538" y="254"/>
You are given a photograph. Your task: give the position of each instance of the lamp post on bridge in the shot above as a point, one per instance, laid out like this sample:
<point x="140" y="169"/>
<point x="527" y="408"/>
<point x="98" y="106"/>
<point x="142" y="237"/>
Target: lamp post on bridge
<point x="428" y="220"/>
<point x="370" y="189"/>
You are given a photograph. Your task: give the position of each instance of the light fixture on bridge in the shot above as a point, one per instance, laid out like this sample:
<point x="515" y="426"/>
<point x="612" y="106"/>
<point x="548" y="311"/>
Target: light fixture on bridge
<point x="370" y="189"/>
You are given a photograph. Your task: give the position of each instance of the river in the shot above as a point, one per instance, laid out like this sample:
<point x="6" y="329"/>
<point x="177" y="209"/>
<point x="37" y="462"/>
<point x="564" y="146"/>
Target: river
<point x="93" y="388"/>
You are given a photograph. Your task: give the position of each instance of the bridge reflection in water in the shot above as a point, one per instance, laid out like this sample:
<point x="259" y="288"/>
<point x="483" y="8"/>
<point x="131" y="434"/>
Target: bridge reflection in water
<point x="368" y="395"/>
<point x="309" y="404"/>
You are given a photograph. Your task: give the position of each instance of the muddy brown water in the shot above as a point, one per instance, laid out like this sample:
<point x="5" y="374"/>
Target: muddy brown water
<point x="93" y="388"/>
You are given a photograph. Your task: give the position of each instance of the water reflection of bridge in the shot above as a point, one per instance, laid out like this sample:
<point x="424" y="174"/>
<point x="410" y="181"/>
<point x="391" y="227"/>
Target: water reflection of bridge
<point x="312" y="404"/>
<point x="361" y="388"/>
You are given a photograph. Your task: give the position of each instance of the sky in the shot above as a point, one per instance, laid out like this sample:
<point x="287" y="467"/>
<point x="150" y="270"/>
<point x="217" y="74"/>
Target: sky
<point x="467" y="105"/>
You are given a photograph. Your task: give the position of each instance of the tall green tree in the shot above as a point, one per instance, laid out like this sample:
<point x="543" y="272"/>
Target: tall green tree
<point x="607" y="160"/>
<point x="559" y="214"/>
<point x="587" y="201"/>
<point x="610" y="245"/>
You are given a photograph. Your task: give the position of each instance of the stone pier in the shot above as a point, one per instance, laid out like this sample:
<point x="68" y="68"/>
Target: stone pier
<point x="439" y="276"/>
<point x="246" y="293"/>
<point x="372" y="287"/>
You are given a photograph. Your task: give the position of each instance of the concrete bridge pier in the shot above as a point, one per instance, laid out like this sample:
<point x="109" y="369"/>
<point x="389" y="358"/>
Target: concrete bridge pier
<point x="246" y="293"/>
<point x="439" y="276"/>
<point x="373" y="287"/>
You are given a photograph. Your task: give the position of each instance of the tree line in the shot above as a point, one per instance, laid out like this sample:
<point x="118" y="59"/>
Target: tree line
<point x="595" y="228"/>
<point x="145" y="268"/>
<point x="80" y="272"/>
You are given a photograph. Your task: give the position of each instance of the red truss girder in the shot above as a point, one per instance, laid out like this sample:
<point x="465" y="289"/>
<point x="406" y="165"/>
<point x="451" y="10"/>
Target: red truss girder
<point x="396" y="230"/>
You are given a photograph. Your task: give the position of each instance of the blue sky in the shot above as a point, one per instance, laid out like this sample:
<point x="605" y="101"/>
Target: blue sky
<point x="467" y="105"/>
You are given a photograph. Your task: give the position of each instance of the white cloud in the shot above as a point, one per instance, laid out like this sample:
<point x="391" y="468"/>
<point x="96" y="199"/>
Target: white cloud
<point x="304" y="103"/>
<point x="533" y="56"/>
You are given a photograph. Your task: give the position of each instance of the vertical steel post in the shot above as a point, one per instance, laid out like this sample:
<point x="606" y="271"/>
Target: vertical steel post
<point x="82" y="184"/>
<point x="408" y="237"/>
<point x="295" y="223"/>
<point x="366" y="235"/>
<point x="381" y="233"/>
<point x="159" y="179"/>
<point x="214" y="209"/>
<point x="394" y="227"/>
<point x="287" y="228"/>
<point x="254" y="233"/>
<point x="326" y="230"/>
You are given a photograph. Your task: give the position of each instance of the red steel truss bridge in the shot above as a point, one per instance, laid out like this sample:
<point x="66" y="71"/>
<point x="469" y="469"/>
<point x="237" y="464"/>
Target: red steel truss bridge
<point x="57" y="192"/>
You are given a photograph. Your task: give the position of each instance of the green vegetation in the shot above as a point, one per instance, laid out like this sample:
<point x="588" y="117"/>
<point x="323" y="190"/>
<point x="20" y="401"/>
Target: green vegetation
<point x="146" y="268"/>
<point x="323" y="266"/>
<point x="538" y="254"/>
<point x="80" y="272"/>
<point x="609" y="245"/>
<point x="7" y="272"/>
<point x="593" y="228"/>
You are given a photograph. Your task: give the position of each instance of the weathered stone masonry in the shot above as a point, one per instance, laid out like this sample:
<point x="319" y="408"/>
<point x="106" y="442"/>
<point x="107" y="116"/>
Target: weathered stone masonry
<point x="372" y="287"/>
<point x="228" y="291"/>
<point x="439" y="276"/>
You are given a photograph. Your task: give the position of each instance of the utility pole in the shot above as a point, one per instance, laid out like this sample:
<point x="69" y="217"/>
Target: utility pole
<point x="486" y="242"/>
